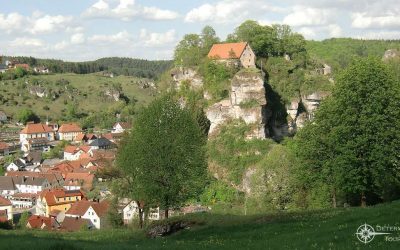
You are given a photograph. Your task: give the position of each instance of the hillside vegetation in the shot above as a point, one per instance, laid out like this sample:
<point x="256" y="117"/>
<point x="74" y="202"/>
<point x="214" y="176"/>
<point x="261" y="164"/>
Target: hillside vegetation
<point x="119" y="66"/>
<point x="74" y="96"/>
<point x="319" y="229"/>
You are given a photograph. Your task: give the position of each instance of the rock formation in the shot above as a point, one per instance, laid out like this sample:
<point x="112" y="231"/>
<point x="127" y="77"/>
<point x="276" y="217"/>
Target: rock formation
<point x="247" y="102"/>
<point x="189" y="75"/>
<point x="390" y="54"/>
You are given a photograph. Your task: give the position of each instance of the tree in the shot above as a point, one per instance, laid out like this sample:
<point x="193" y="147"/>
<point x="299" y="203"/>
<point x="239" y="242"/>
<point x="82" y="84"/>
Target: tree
<point x="164" y="156"/>
<point x="23" y="220"/>
<point x="188" y="51"/>
<point x="27" y="115"/>
<point x="208" y="39"/>
<point x="352" y="146"/>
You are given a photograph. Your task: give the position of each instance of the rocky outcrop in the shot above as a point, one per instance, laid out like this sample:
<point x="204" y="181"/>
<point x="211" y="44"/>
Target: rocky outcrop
<point x="390" y="54"/>
<point x="189" y="75"/>
<point x="38" y="91"/>
<point x="303" y="109"/>
<point x="247" y="102"/>
<point x="113" y="94"/>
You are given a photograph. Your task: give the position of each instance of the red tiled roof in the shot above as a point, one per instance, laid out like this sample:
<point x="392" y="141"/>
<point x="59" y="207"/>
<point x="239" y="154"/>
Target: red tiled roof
<point x="36" y="221"/>
<point x="5" y="202"/>
<point x="80" y="137"/>
<point x="73" y="224"/>
<point x="80" y="208"/>
<point x="51" y="195"/>
<point x="227" y="50"/>
<point x="80" y="179"/>
<point x="70" y="149"/>
<point x="70" y="127"/>
<point x="36" y="128"/>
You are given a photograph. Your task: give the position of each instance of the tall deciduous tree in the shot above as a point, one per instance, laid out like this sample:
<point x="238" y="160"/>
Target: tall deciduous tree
<point x="164" y="156"/>
<point x="353" y="144"/>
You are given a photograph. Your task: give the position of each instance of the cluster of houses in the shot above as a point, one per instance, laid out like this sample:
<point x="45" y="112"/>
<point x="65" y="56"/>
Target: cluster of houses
<point x="11" y="64"/>
<point x="55" y="190"/>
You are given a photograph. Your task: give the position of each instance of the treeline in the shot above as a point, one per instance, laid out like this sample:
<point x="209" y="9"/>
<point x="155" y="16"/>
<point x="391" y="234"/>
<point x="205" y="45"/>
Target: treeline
<point x="119" y="66"/>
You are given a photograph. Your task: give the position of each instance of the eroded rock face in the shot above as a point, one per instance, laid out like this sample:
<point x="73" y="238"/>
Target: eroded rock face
<point x="180" y="75"/>
<point x="302" y="110"/>
<point x="246" y="102"/>
<point x="114" y="94"/>
<point x="391" y="53"/>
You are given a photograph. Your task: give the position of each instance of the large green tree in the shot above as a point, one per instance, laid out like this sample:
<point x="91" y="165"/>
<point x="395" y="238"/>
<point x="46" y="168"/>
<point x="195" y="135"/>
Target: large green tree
<point x="27" y="115"/>
<point x="164" y="156"/>
<point x="352" y="146"/>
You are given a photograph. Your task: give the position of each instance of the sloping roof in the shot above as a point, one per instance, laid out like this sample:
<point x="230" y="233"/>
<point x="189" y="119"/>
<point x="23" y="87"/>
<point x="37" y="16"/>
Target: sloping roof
<point x="50" y="195"/>
<point x="51" y="177"/>
<point x="80" y="179"/>
<point x="73" y="224"/>
<point x="34" y="156"/>
<point x="7" y="183"/>
<point x="79" y="208"/>
<point x="69" y="127"/>
<point x="101" y="142"/>
<point x="51" y="162"/>
<point x="37" y="221"/>
<point x="71" y="149"/>
<point x="36" y="128"/>
<point x="227" y="50"/>
<point x="80" y="137"/>
<point x="124" y="125"/>
<point x="4" y="201"/>
<point x="35" y="181"/>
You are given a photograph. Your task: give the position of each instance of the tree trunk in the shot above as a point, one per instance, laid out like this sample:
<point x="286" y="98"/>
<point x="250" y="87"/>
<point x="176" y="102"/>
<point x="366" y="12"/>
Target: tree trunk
<point x="334" y="203"/>
<point x="166" y="213"/>
<point x="140" y="217"/>
<point x="363" y="200"/>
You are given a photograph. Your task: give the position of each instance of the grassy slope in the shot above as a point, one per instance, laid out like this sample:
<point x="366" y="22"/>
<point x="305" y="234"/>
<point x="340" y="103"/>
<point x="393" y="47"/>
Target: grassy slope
<point x="329" y="229"/>
<point x="91" y="84"/>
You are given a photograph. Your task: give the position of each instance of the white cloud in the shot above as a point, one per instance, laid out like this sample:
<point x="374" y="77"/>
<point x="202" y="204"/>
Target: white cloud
<point x="380" y="35"/>
<point x="78" y="38"/>
<point x="119" y="37"/>
<point x="127" y="10"/>
<point x="363" y="20"/>
<point x="47" y="23"/>
<point x="150" y="39"/>
<point x="11" y="22"/>
<point x="230" y="11"/>
<point x="27" y="42"/>
<point x="306" y="16"/>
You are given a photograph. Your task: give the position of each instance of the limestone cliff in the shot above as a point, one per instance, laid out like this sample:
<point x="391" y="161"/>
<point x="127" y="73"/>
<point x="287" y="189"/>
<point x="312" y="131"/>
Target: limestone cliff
<point x="189" y="75"/>
<point x="247" y="102"/>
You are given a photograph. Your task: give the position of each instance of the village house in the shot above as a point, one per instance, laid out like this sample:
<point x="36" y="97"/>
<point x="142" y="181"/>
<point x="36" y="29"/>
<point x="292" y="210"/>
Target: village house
<point x="73" y="224"/>
<point x="79" y="181"/>
<point x="23" y="200"/>
<point x="129" y="209"/>
<point x="69" y="131"/>
<point x="56" y="200"/>
<point x="55" y="179"/>
<point x="85" y="138"/>
<point x="73" y="153"/>
<point x="17" y="165"/>
<point x="36" y="136"/>
<point x="32" y="185"/>
<point x="233" y="54"/>
<point x="42" y="222"/>
<point x="6" y="210"/>
<point x="3" y="116"/>
<point x="41" y="70"/>
<point x="22" y="65"/>
<point x="95" y="212"/>
<point x="102" y="143"/>
<point x="7" y="186"/>
<point x="120" y="127"/>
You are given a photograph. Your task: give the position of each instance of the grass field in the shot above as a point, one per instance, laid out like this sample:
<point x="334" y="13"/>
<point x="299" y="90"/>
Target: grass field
<point x="87" y="98"/>
<point x="326" y="229"/>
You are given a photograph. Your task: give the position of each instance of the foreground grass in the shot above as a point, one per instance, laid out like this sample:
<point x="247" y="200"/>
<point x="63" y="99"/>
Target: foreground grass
<point x="327" y="229"/>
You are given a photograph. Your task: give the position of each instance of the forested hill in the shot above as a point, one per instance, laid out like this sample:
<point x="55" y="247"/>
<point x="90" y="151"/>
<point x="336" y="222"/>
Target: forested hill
<point x="339" y="52"/>
<point x="119" y="66"/>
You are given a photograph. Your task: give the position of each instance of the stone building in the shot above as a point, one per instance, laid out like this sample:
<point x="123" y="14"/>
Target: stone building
<point x="237" y="54"/>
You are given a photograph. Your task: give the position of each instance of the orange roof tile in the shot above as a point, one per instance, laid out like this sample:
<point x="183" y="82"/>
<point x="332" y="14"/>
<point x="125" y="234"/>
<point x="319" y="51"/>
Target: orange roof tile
<point x="70" y="149"/>
<point x="227" y="50"/>
<point x="36" y="128"/>
<point x="4" y="201"/>
<point x="70" y="127"/>
<point x="36" y="221"/>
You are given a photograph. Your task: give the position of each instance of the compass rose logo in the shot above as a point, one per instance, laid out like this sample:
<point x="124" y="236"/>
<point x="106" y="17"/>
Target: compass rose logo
<point x="366" y="233"/>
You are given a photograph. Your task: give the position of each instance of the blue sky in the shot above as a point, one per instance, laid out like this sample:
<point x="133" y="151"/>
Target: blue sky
<point x="81" y="30"/>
